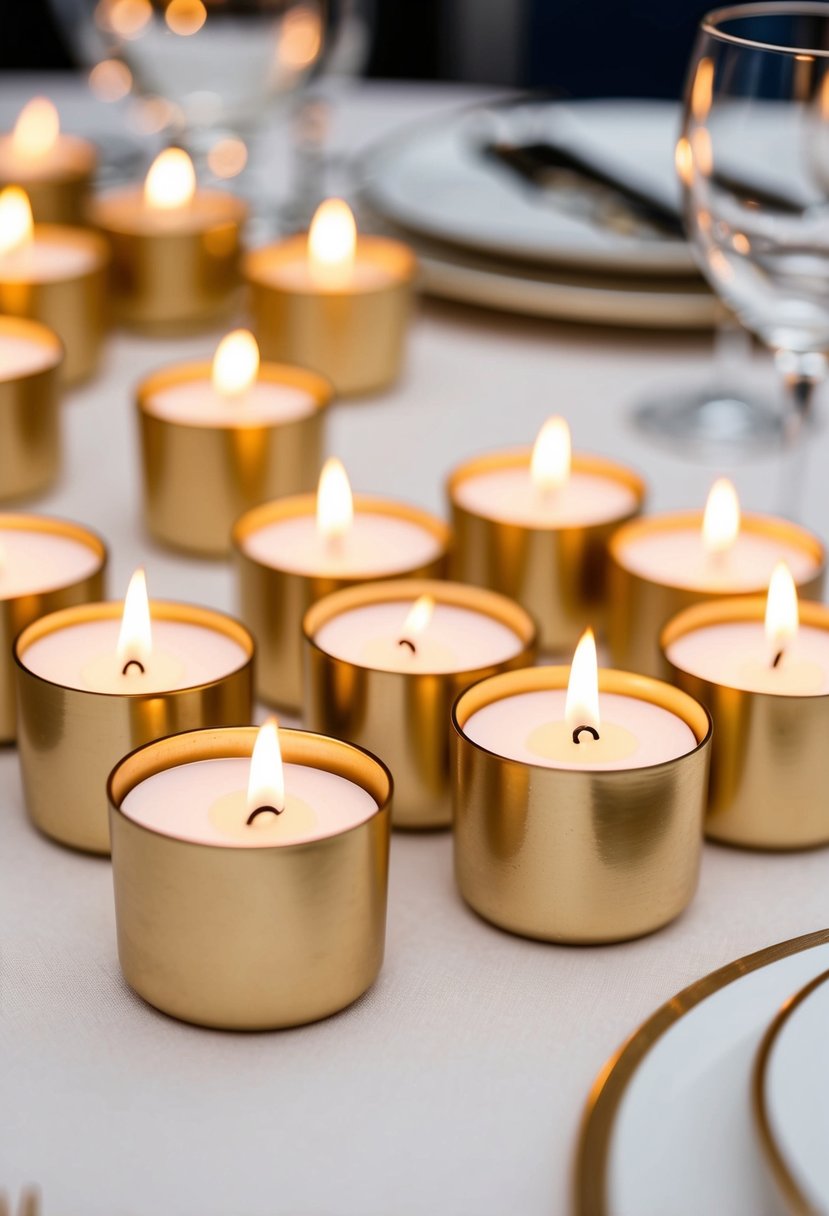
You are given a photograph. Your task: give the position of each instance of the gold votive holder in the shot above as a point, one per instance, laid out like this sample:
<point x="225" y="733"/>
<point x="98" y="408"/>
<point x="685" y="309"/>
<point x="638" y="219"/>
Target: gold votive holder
<point x="558" y="574"/>
<point x="354" y="336"/>
<point x="642" y="606"/>
<point x="172" y="276"/>
<point x="29" y="414"/>
<point x="250" y="938"/>
<point x="18" y="611"/>
<point x="199" y="478"/>
<point x="59" y="191"/>
<point x="70" y="738"/>
<point x="273" y="601"/>
<point x="403" y="715"/>
<point x="74" y="305"/>
<point x="578" y="856"/>
<point x="769" y="760"/>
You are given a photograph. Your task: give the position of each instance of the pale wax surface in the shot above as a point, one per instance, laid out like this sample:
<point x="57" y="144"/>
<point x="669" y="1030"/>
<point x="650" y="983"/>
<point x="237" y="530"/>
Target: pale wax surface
<point x="375" y="545"/>
<point x="456" y="639"/>
<point x="296" y="275"/>
<point x="126" y="211"/>
<point x="197" y="403"/>
<point x="22" y="356"/>
<point x="737" y="654"/>
<point x="505" y="727"/>
<point x="31" y="562"/>
<point x="678" y="558"/>
<point x="511" y="495"/>
<point x="45" y="261"/>
<point x="178" y="802"/>
<point x="183" y="655"/>
<point x="67" y="155"/>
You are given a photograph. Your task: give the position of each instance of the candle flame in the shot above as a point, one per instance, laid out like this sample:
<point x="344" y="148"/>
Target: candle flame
<point x="418" y="618"/>
<point x="702" y="90"/>
<point x="335" y="505"/>
<point x="782" y="613"/>
<point x="266" y="783"/>
<point x="332" y="242"/>
<point x="16" y="223"/>
<point x="135" y="640"/>
<point x="550" y="463"/>
<point x="581" y="707"/>
<point x="37" y="128"/>
<point x="721" y="521"/>
<point x="171" y="181"/>
<point x="235" y="363"/>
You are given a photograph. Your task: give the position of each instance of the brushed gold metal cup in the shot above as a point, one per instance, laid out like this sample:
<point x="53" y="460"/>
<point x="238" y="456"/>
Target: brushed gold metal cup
<point x="16" y="612"/>
<point x="769" y="786"/>
<point x="176" y="280"/>
<point x="273" y="601"/>
<point x="568" y="855"/>
<point x="405" y="715"/>
<point x="29" y="415"/>
<point x="641" y="607"/>
<point x="251" y="939"/>
<point x="557" y="574"/>
<point x="198" y="479"/>
<point x="354" y="336"/>
<point x="59" y="194"/>
<point x="73" y="306"/>
<point x="70" y="738"/>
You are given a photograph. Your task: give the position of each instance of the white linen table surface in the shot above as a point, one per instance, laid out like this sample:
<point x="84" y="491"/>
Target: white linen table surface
<point x="456" y="1086"/>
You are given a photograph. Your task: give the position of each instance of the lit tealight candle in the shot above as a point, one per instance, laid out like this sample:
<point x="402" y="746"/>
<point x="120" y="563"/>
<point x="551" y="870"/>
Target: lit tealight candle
<point x="175" y="246"/>
<point x="293" y="551"/>
<point x="337" y="301"/>
<point x="55" y="169"/>
<point x="533" y="523"/>
<point x="210" y="828"/>
<point x="762" y="668"/>
<point x="219" y="439"/>
<point x="56" y="275"/>
<point x="579" y="799"/>
<point x="385" y="662"/>
<point x="101" y="679"/>
<point x="663" y="563"/>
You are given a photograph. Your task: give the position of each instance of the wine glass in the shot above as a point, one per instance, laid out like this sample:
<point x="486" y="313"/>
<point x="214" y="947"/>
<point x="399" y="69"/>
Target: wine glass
<point x="753" y="158"/>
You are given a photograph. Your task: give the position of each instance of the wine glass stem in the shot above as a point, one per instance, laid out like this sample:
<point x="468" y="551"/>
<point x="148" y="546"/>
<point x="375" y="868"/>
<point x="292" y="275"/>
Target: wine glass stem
<point x="802" y="374"/>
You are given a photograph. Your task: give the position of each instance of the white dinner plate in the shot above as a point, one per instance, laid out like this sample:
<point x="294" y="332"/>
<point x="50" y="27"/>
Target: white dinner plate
<point x="432" y="179"/>
<point x="792" y="1098"/>
<point x="669" y="1129"/>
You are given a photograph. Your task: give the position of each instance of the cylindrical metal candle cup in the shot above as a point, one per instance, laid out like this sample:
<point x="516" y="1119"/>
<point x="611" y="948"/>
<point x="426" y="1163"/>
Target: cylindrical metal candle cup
<point x="571" y="855"/>
<point x="74" y="306"/>
<point x="175" y="279"/>
<point x="70" y="738"/>
<point x="58" y="194"/>
<point x="557" y="574"/>
<point x="251" y="939"/>
<point x="18" y="611"/>
<point x="769" y="760"/>
<point x="642" y="606"/>
<point x="354" y="336"/>
<point x="29" y="414"/>
<point x="274" y="601"/>
<point x="198" y="479"/>
<point x="404" y="715"/>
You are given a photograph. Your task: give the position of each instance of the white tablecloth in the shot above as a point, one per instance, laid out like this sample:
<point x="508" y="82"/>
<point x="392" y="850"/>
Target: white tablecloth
<point x="455" y="1087"/>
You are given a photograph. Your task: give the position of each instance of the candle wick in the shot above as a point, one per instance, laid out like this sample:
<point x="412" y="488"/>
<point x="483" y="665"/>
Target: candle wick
<point x="776" y="660"/>
<point x="264" y="810"/>
<point x="409" y="643"/>
<point x="133" y="663"/>
<point x="591" y="730"/>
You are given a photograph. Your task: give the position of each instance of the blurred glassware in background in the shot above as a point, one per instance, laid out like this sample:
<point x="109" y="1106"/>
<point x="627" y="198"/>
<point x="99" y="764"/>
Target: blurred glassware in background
<point x="752" y="160"/>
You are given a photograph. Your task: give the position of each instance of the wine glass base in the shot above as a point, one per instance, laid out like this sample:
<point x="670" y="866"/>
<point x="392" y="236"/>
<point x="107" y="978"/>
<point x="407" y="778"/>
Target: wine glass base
<point x="719" y="420"/>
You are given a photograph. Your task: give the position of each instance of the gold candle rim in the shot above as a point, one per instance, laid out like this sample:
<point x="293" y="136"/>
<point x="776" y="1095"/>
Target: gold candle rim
<point x="395" y="256"/>
<point x="755" y="523"/>
<point x="63" y="234"/>
<point x="546" y="679"/>
<point x="296" y="505"/>
<point x="160" y="610"/>
<point x="33" y="331"/>
<point x="734" y="610"/>
<point x="353" y="763"/>
<point x="519" y="457"/>
<point x="461" y="595"/>
<point x="20" y="521"/>
<point x="140" y="226"/>
<point x="318" y="388"/>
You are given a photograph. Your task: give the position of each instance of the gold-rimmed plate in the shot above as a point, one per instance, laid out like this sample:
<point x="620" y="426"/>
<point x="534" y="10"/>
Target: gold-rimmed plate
<point x="668" y="1126"/>
<point x="791" y="1099"/>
